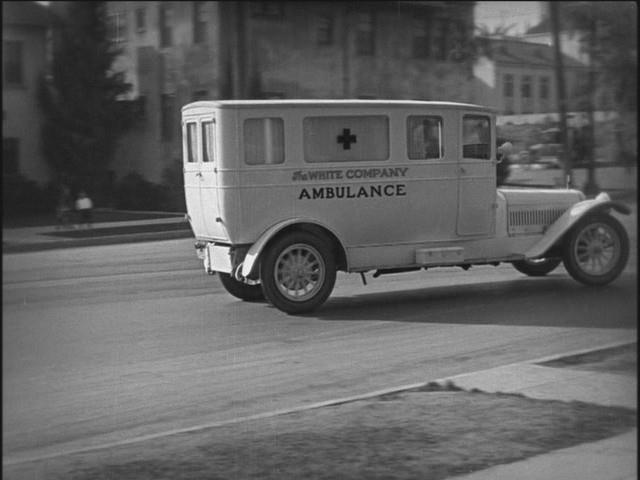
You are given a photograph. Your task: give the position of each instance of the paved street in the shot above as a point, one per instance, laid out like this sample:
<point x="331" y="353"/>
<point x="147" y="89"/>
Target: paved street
<point x="106" y="343"/>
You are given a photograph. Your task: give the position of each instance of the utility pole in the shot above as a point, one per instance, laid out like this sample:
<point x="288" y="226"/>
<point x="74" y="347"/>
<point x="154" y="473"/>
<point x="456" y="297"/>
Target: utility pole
<point x="345" y="52"/>
<point x="591" y="187"/>
<point x="561" y="93"/>
<point x="239" y="58"/>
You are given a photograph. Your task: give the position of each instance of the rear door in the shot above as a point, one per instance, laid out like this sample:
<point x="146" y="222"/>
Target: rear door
<point x="201" y="176"/>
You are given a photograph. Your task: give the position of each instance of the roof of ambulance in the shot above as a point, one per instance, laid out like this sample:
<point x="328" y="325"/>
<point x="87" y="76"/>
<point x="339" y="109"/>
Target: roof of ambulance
<point x="235" y="104"/>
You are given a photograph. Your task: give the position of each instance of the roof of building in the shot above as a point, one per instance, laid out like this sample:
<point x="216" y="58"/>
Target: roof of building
<point x="24" y="13"/>
<point x="513" y="50"/>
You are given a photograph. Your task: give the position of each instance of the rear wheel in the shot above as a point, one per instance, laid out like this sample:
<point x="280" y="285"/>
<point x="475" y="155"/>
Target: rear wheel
<point x="596" y="249"/>
<point x="537" y="267"/>
<point x="243" y="291"/>
<point x="298" y="272"/>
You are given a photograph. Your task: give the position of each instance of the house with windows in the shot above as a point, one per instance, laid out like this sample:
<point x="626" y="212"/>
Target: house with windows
<point x="518" y="77"/>
<point x="24" y="61"/>
<point x="178" y="52"/>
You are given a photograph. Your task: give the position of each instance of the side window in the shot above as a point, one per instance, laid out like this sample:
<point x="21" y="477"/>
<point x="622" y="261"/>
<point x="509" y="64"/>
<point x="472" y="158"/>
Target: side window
<point x="208" y="141"/>
<point x="346" y="138"/>
<point x="263" y="141"/>
<point x="192" y="142"/>
<point x="476" y="137"/>
<point x="424" y="137"/>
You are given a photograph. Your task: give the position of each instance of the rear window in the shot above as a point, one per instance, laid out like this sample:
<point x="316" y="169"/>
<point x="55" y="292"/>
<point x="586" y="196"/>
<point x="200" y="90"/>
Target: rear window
<point x="263" y="141"/>
<point x="192" y="142"/>
<point x="208" y="141"/>
<point x="346" y="138"/>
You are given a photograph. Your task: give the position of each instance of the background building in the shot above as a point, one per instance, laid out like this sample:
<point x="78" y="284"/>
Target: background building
<point x="518" y="77"/>
<point x="177" y="52"/>
<point x="24" y="61"/>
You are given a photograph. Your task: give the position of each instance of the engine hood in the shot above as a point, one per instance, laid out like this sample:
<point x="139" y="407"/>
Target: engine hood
<point x="541" y="196"/>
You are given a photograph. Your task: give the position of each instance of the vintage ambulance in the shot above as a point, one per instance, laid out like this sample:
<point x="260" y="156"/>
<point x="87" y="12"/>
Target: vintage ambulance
<point x="282" y="194"/>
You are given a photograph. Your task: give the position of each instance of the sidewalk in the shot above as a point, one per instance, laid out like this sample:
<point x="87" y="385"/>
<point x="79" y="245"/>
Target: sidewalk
<point x="610" y="459"/>
<point x="27" y="239"/>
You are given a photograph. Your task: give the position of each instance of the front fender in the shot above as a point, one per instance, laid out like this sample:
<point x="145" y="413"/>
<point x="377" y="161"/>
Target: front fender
<point x="252" y="255"/>
<point x="569" y="218"/>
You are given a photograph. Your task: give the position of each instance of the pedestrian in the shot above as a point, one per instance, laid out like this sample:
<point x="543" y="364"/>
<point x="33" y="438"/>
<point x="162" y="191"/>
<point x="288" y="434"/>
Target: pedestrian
<point x="84" y="206"/>
<point x="64" y="207"/>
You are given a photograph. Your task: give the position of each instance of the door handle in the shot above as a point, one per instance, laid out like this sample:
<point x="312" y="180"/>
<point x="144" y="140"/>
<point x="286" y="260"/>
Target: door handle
<point x="199" y="174"/>
<point x="462" y="170"/>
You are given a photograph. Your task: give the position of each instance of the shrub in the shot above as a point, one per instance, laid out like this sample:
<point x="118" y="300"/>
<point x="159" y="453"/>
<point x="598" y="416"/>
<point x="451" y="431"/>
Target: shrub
<point x="21" y="196"/>
<point x="134" y="192"/>
<point x="173" y="181"/>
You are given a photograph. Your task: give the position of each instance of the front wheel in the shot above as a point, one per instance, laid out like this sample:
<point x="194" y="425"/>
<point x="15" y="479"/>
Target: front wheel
<point x="298" y="272"/>
<point x="243" y="291"/>
<point x="596" y="250"/>
<point x="537" y="267"/>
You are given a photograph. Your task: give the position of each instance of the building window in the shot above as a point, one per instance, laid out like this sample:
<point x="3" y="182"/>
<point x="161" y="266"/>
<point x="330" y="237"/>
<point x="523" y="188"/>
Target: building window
<point x="424" y="138"/>
<point x="346" y="138"/>
<point x="476" y="137"/>
<point x="166" y="117"/>
<point x="421" y="45"/>
<point x="140" y="107"/>
<point x="544" y="88"/>
<point x="325" y="30"/>
<point x="365" y="34"/>
<point x="458" y="41"/>
<point x="263" y="141"/>
<point x="440" y="40"/>
<point x="199" y="22"/>
<point x="165" y="15"/>
<point x="199" y="95"/>
<point x="10" y="156"/>
<point x="526" y="90"/>
<point x="272" y="95"/>
<point x="508" y="85"/>
<point x="525" y="87"/>
<point x="141" y="20"/>
<point x="267" y="9"/>
<point x="117" y="27"/>
<point x="12" y="63"/>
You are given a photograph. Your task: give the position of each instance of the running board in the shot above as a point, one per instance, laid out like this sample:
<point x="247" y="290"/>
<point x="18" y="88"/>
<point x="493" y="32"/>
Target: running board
<point x="439" y="256"/>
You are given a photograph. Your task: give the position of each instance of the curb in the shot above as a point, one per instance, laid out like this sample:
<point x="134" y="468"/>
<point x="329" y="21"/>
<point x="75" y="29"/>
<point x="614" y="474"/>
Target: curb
<point x="13" y="247"/>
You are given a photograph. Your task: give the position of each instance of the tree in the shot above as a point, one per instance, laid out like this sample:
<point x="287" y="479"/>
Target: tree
<point x="610" y="38"/>
<point x="83" y="114"/>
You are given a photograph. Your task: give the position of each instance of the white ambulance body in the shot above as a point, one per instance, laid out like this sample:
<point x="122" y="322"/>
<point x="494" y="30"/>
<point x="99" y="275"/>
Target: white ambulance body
<point x="281" y="194"/>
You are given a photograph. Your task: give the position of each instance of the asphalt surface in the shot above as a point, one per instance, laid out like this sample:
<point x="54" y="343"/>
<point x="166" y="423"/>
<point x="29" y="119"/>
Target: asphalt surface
<point x="122" y="341"/>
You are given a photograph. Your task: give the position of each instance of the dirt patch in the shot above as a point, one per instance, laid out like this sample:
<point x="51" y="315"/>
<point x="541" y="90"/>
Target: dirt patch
<point x="429" y="433"/>
<point x="621" y="360"/>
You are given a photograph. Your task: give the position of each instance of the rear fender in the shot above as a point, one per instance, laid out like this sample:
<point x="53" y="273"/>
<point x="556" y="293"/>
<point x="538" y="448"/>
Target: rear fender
<point x="250" y="262"/>
<point x="569" y="218"/>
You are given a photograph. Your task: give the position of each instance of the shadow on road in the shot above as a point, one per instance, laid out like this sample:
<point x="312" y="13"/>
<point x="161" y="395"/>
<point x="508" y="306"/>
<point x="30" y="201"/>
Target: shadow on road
<point x="548" y="301"/>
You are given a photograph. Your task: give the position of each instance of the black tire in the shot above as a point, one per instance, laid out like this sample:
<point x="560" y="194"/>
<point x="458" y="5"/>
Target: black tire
<point x="596" y="249"/>
<point x="538" y="267"/>
<point x="243" y="291"/>
<point x="298" y="272"/>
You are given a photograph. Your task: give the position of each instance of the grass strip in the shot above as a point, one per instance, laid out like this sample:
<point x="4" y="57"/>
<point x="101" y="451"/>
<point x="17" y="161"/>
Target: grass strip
<point x="430" y="433"/>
